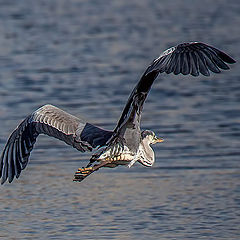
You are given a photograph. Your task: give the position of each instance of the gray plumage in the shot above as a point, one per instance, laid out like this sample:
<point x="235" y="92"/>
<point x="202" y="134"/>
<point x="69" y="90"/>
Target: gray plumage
<point x="126" y="144"/>
<point x="53" y="122"/>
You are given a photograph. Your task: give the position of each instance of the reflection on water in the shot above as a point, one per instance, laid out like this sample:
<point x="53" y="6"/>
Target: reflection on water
<point x="85" y="57"/>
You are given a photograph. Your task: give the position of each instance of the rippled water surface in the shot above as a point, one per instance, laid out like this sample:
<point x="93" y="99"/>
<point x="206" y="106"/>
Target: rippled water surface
<point x="85" y="57"/>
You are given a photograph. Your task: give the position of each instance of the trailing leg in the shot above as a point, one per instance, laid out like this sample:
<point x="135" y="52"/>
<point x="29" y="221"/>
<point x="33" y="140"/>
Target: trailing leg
<point x="82" y="173"/>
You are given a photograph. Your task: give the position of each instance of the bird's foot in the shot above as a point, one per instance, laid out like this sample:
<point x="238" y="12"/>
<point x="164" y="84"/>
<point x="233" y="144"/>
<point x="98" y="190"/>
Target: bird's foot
<point x="86" y="171"/>
<point x="82" y="173"/>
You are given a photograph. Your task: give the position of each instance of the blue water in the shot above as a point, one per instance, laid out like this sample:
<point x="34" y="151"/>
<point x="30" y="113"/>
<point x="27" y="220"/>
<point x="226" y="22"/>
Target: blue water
<point x="85" y="57"/>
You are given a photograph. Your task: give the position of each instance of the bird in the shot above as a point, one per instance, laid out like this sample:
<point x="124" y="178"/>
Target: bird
<point x="126" y="144"/>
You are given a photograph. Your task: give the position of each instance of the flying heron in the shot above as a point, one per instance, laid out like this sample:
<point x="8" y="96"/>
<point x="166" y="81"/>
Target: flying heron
<point x="126" y="144"/>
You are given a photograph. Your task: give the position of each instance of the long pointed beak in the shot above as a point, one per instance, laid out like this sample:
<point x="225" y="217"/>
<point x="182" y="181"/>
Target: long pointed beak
<point x="159" y="140"/>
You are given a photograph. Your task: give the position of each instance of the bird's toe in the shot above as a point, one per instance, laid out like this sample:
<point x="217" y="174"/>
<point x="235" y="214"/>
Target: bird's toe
<point x="82" y="173"/>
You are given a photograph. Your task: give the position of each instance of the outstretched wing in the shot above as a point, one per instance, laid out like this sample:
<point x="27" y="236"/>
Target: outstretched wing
<point x="188" y="58"/>
<point x="54" y="122"/>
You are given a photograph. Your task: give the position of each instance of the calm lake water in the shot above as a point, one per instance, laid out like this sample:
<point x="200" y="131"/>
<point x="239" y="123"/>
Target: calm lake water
<point x="85" y="57"/>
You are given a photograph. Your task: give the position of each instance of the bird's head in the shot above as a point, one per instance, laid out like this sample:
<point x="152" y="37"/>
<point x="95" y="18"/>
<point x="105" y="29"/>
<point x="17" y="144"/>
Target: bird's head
<point x="151" y="137"/>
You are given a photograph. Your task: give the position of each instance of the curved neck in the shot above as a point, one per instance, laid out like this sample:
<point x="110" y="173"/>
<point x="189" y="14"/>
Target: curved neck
<point x="147" y="157"/>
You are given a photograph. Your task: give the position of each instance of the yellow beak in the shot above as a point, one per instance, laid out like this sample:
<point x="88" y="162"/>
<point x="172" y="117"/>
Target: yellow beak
<point x="158" y="140"/>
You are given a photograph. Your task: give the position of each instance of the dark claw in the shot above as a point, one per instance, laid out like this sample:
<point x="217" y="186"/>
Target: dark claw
<point x="78" y="178"/>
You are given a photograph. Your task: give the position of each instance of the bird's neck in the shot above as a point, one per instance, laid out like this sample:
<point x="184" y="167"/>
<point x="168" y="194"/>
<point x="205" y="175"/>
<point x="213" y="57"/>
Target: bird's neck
<point x="147" y="157"/>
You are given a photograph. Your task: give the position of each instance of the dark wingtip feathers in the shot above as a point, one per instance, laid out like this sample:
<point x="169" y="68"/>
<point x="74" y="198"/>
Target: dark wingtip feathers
<point x="224" y="56"/>
<point x="191" y="58"/>
<point x="15" y="155"/>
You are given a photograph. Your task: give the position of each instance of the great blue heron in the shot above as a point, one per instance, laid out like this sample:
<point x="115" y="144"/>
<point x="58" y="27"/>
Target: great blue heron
<point x="126" y="144"/>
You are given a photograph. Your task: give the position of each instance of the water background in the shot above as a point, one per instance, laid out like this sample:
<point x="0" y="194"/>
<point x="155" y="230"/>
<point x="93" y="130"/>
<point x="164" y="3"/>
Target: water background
<point x="85" y="57"/>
